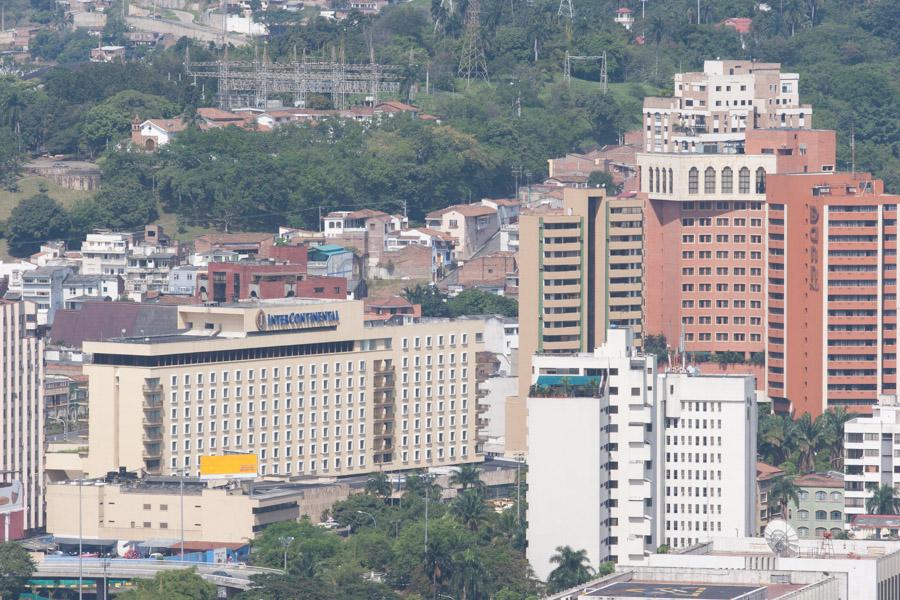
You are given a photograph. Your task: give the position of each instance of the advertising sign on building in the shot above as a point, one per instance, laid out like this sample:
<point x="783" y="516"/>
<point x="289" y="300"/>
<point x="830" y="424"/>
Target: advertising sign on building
<point x="229" y="466"/>
<point x="11" y="496"/>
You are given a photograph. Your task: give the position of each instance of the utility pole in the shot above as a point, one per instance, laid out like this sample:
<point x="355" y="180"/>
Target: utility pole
<point x="80" y="540"/>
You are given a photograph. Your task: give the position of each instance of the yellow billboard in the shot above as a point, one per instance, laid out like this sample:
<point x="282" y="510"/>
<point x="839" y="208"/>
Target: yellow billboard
<point x="229" y="466"/>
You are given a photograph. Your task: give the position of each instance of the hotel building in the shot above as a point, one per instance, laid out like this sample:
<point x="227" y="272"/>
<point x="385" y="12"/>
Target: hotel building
<point x="22" y="415"/>
<point x="647" y="458"/>
<point x="579" y="273"/>
<point x="307" y="385"/>
<point x="832" y="292"/>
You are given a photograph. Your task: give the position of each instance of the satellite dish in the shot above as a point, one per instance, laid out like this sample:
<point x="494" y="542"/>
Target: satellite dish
<point x="782" y="538"/>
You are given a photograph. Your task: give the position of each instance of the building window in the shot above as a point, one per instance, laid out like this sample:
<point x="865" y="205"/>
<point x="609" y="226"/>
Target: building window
<point x="670" y="180"/>
<point x="803" y="532"/>
<point x="709" y="181"/>
<point x="820" y="496"/>
<point x="760" y="181"/>
<point x="694" y="180"/>
<point x="821" y="515"/>
<point x="651" y="178"/>
<point x="727" y="180"/>
<point x="803" y="515"/>
<point x="835" y="515"/>
<point x="664" y="181"/>
<point x="744" y="181"/>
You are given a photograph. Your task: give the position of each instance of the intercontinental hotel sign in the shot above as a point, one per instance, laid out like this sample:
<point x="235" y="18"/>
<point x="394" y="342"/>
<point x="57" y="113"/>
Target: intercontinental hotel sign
<point x="294" y="320"/>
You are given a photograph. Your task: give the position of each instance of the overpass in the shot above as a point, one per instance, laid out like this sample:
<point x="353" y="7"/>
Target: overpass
<point x="98" y="572"/>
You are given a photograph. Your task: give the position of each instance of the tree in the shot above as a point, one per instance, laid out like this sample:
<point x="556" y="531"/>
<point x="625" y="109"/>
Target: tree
<point x="272" y="586"/>
<point x="16" y="567"/>
<point x="432" y="300"/>
<point x="311" y="546"/>
<point x="573" y="568"/>
<point x="833" y="422"/>
<point x="604" y="180"/>
<point x="10" y="160"/>
<point x="469" y="508"/>
<point x="173" y="585"/>
<point x="124" y="204"/>
<point x="379" y="485"/>
<point x="883" y="501"/>
<point x="478" y="302"/>
<point x="34" y="221"/>
<point x="805" y="435"/>
<point x="657" y="345"/>
<point x="467" y="476"/>
<point x="782" y="493"/>
<point x="469" y="575"/>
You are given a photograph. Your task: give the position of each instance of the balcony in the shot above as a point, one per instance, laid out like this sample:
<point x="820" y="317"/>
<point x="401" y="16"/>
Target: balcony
<point x="152" y="452"/>
<point x="152" y="388"/>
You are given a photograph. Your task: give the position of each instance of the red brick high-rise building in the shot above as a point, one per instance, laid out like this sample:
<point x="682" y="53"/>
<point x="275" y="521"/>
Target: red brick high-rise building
<point x="832" y="292"/>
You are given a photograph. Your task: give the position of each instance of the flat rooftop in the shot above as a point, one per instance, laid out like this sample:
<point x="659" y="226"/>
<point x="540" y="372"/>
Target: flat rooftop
<point x="665" y="591"/>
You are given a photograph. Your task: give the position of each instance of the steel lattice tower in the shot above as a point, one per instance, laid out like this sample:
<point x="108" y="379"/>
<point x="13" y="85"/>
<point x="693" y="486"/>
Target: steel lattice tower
<point x="472" y="63"/>
<point x="566" y="10"/>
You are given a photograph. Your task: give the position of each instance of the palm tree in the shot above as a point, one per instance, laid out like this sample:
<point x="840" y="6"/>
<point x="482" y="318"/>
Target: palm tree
<point x="833" y="422"/>
<point x="469" y="575"/>
<point x="805" y="434"/>
<point x="470" y="509"/>
<point x="378" y="485"/>
<point x="775" y="439"/>
<point x="573" y="568"/>
<point x="466" y="476"/>
<point x="783" y="492"/>
<point x="13" y="105"/>
<point x="883" y="501"/>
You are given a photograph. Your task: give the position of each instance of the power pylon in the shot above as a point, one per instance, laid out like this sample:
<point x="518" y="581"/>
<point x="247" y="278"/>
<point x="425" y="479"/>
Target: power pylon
<point x="472" y="63"/>
<point x="566" y="10"/>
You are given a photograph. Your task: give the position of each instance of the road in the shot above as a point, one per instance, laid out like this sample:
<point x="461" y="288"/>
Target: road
<point x="67" y="567"/>
<point x="140" y="19"/>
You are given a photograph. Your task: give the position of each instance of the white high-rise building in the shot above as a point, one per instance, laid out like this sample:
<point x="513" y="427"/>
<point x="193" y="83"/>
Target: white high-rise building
<point x="623" y="459"/>
<point x="22" y="414"/>
<point x="871" y="448"/>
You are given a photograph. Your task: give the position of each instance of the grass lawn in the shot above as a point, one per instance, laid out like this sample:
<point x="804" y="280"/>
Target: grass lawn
<point x="29" y="186"/>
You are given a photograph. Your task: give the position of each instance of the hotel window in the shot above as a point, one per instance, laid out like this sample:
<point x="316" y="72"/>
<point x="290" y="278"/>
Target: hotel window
<point x="693" y="181"/>
<point x="744" y="180"/>
<point x="727" y="180"/>
<point x="709" y="181"/>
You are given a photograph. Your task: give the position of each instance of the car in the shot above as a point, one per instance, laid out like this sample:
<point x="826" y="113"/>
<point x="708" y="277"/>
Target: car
<point x="221" y="573"/>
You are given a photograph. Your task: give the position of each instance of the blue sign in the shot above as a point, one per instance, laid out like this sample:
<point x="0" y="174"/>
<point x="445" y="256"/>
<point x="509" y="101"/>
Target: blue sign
<point x="319" y="318"/>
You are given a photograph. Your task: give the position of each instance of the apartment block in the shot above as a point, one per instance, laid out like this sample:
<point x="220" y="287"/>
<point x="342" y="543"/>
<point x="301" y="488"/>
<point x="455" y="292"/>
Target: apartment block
<point x="871" y="454"/>
<point x="646" y="458"/>
<point x="832" y="292"/>
<point x="712" y="110"/>
<point x="22" y="414"/>
<point x="580" y="272"/>
<point x="307" y="385"/>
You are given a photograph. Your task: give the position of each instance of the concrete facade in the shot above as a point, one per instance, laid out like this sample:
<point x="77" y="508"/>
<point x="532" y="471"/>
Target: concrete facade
<point x="22" y="414"/>
<point x="334" y="397"/>
<point x="580" y="272"/>
<point x="647" y="458"/>
<point x="871" y="446"/>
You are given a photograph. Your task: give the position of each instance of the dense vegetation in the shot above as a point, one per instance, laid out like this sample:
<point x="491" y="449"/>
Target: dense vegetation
<point x="846" y="54"/>
<point x="472" y="551"/>
<point x="804" y="445"/>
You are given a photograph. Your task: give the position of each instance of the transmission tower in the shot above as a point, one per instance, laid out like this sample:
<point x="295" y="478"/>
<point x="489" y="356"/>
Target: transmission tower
<point x="472" y="63"/>
<point x="566" y="10"/>
<point x="604" y="78"/>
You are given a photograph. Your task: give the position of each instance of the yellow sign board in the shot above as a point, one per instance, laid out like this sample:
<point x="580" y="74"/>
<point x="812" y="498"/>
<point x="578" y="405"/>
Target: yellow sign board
<point x="229" y="466"/>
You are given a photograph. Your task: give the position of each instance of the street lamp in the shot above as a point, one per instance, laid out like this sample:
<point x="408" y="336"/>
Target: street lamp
<point x="285" y="544"/>
<point x="180" y="471"/>
<point x="362" y="512"/>
<point x="65" y="424"/>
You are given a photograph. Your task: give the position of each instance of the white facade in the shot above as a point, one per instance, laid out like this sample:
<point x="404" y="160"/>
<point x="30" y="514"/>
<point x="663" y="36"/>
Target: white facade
<point x="623" y="459"/>
<point x="22" y="407"/>
<point x="871" y="454"/>
<point x="709" y="454"/>
<point x="105" y="253"/>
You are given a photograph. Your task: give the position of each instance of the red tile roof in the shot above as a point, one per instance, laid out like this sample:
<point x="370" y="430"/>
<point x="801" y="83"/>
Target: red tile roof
<point x="169" y="125"/>
<point x="764" y="471"/>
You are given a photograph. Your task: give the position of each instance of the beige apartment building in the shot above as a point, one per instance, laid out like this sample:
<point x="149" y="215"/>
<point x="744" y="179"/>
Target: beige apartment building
<point x="580" y="273"/>
<point x="308" y="386"/>
<point x="22" y="415"/>
<point x="151" y="508"/>
<point x="711" y="111"/>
